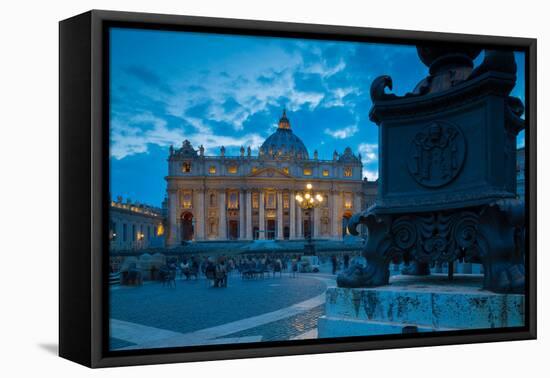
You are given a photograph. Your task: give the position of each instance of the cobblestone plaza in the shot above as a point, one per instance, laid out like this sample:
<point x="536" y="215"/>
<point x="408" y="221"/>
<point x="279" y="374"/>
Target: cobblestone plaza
<point x="193" y="313"/>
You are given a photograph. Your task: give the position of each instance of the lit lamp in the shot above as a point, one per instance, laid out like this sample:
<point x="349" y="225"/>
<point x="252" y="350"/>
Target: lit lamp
<point x="308" y="201"/>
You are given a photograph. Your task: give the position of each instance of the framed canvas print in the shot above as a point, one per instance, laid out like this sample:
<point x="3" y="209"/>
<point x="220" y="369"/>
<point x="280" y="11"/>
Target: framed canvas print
<point x="233" y="188"/>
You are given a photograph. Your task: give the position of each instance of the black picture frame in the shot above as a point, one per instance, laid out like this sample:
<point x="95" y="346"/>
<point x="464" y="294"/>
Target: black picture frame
<point x="83" y="122"/>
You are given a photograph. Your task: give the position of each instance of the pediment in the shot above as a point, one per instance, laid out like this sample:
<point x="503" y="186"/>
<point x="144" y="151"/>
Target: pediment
<point x="270" y="172"/>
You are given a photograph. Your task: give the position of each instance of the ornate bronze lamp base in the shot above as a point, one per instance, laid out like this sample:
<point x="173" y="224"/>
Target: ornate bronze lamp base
<point x="492" y="235"/>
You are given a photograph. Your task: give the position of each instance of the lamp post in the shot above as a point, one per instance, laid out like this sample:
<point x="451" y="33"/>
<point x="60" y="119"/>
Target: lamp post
<point x="307" y="200"/>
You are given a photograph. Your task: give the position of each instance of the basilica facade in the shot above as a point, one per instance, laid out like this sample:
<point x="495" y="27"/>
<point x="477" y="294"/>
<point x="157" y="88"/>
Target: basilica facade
<point x="249" y="197"/>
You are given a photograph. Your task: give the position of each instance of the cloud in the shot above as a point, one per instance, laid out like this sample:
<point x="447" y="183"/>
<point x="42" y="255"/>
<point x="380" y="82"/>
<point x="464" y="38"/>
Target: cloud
<point x="216" y="101"/>
<point x="148" y="77"/>
<point x="337" y="96"/>
<point x="369" y="157"/>
<point x="343" y="133"/>
<point x="369" y="152"/>
<point x="233" y="99"/>
<point x="132" y="135"/>
<point x="371" y="175"/>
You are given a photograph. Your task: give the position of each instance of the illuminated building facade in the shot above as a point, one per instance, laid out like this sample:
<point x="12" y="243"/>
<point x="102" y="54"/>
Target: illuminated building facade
<point x="135" y="226"/>
<point x="249" y="197"/>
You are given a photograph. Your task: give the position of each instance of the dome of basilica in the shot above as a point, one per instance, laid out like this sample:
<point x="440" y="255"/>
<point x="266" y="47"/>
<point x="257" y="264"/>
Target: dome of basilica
<point x="283" y="143"/>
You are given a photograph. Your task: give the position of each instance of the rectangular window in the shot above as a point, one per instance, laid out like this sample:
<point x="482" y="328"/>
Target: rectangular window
<point x="186" y="167"/>
<point x="113" y="231"/>
<point x="286" y="203"/>
<point x="348" y="171"/>
<point x="212" y="200"/>
<point x="307" y="171"/>
<point x="232" y="169"/>
<point x="325" y="172"/>
<point x="212" y="169"/>
<point x="233" y="202"/>
<point x="285" y="170"/>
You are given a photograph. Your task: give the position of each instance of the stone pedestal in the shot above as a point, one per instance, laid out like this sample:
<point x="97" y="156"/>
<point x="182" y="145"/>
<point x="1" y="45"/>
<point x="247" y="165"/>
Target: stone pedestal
<point x="429" y="303"/>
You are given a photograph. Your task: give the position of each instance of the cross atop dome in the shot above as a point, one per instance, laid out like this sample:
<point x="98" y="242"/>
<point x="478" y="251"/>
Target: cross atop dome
<point x="284" y="123"/>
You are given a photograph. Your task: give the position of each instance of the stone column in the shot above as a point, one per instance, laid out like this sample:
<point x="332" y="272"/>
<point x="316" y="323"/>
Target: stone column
<point x="261" y="225"/>
<point x="172" y="219"/>
<point x="335" y="215"/>
<point x="242" y="226"/>
<point x="200" y="214"/>
<point x="316" y="222"/>
<point x="280" y="235"/>
<point x="299" y="224"/>
<point x="222" y="226"/>
<point x="292" y="200"/>
<point x="249" y="215"/>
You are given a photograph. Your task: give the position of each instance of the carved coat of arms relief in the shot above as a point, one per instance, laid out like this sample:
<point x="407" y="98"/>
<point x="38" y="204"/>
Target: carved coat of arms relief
<point x="436" y="154"/>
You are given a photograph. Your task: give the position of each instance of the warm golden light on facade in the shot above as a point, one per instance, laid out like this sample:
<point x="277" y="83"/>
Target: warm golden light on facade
<point x="160" y="230"/>
<point x="212" y="169"/>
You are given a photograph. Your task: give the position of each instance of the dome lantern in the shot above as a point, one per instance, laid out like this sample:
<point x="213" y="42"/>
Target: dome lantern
<point x="284" y="123"/>
<point x="283" y="143"/>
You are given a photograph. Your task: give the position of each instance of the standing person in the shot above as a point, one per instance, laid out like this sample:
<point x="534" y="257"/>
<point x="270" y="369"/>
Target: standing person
<point x="334" y="261"/>
<point x="294" y="266"/>
<point x="221" y="274"/>
<point x="346" y="261"/>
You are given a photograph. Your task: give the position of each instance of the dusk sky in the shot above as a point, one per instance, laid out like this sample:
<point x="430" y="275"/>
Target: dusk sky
<point x="230" y="90"/>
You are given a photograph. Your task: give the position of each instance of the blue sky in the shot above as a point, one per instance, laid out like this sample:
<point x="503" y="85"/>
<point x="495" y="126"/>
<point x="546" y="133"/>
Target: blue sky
<point x="230" y="90"/>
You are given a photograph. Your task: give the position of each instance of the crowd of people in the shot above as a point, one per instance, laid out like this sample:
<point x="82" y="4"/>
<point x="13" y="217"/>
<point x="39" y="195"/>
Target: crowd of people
<point x="218" y="269"/>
